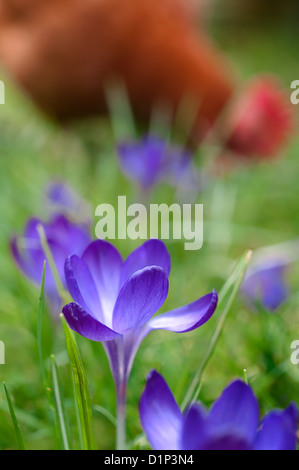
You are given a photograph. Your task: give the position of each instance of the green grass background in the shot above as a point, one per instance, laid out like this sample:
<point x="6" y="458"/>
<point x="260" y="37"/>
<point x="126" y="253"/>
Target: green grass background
<point x="249" y="208"/>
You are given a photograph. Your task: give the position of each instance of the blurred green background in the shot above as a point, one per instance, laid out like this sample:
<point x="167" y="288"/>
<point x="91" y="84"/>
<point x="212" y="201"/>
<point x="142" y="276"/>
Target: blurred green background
<point x="248" y="208"/>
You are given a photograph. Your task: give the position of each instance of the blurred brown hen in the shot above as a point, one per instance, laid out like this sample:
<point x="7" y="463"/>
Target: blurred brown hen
<point x="63" y="52"/>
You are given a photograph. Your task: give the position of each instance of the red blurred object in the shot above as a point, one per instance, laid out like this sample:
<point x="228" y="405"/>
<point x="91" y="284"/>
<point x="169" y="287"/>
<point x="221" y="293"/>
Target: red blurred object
<point x="260" y="122"/>
<point x="63" y="52"/>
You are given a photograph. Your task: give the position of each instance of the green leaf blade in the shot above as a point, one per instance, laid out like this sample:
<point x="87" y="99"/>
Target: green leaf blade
<point x="59" y="408"/>
<point x="81" y="387"/>
<point x="227" y="297"/>
<point x="19" y="435"/>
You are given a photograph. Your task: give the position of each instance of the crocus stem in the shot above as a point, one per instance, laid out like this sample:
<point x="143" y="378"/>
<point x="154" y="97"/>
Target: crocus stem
<point x="121" y="417"/>
<point x="120" y="371"/>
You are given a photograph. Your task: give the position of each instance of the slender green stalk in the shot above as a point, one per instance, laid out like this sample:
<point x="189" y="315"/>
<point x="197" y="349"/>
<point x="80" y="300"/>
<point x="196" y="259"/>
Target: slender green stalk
<point x="78" y="420"/>
<point x="19" y="436"/>
<point x="121" y="417"/>
<point x="106" y="413"/>
<point x="60" y="414"/>
<point x="40" y="323"/>
<point x="122" y="119"/>
<point x="81" y="387"/>
<point x="121" y="399"/>
<point x="240" y="270"/>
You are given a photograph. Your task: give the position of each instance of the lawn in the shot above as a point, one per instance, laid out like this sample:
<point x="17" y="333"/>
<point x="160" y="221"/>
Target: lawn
<point x="248" y="208"/>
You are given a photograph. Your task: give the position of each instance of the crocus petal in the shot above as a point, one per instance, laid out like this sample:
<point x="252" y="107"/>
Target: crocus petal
<point x="115" y="360"/>
<point x="83" y="323"/>
<point x="194" y="430"/>
<point x="31" y="250"/>
<point x="73" y="237"/>
<point x="30" y="231"/>
<point x="121" y="354"/>
<point x="63" y="238"/>
<point x="225" y="442"/>
<point x="199" y="434"/>
<point x="291" y="413"/>
<point x="278" y="431"/>
<point x="236" y="412"/>
<point x="186" y="318"/>
<point x="22" y="263"/>
<point x="82" y="287"/>
<point x="141" y="297"/>
<point x="151" y="253"/>
<point x="30" y="261"/>
<point x="160" y="415"/>
<point x="105" y="264"/>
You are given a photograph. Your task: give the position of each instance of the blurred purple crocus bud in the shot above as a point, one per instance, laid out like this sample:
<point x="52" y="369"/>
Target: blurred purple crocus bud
<point x="265" y="283"/>
<point x="63" y="237"/>
<point x="151" y="161"/>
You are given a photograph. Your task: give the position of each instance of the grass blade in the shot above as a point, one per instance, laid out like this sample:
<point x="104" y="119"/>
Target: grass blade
<point x="120" y="110"/>
<point x="81" y="387"/>
<point x="106" y="413"/>
<point x="40" y="323"/>
<point x="19" y="436"/>
<point x="227" y="296"/>
<point x="60" y="414"/>
<point x="78" y="421"/>
<point x="59" y="285"/>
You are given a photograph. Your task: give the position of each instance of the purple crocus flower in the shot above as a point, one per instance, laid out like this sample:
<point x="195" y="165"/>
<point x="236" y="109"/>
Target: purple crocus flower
<point x="265" y="283"/>
<point x="232" y="423"/>
<point x="115" y="301"/>
<point x="63" y="237"/>
<point x="152" y="160"/>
